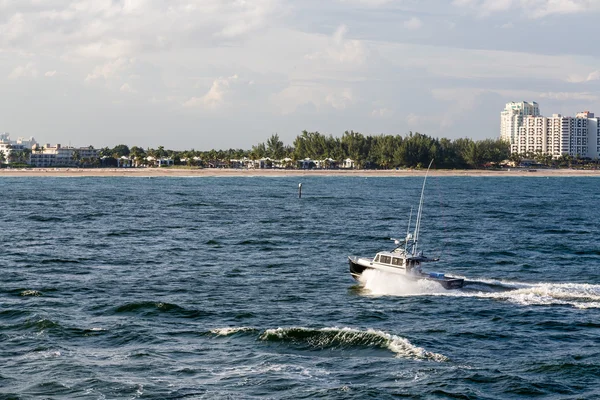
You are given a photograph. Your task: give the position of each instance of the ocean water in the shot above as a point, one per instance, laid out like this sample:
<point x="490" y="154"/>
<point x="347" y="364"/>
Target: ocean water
<point x="218" y="288"/>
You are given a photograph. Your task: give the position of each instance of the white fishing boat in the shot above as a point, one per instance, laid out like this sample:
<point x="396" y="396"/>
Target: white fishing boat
<point x="406" y="258"/>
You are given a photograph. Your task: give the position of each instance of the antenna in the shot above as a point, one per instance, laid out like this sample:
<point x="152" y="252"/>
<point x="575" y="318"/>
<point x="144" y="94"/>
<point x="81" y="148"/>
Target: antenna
<point x="408" y="231"/>
<point x="420" y="212"/>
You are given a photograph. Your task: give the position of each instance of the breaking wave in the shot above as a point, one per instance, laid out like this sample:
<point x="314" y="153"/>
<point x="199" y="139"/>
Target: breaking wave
<point x="578" y="295"/>
<point x="231" y="331"/>
<point x="339" y="338"/>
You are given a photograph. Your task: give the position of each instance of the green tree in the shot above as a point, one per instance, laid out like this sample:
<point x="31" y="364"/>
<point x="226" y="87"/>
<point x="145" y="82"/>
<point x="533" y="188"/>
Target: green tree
<point x="275" y="148"/>
<point x="76" y="157"/>
<point x="120" y="150"/>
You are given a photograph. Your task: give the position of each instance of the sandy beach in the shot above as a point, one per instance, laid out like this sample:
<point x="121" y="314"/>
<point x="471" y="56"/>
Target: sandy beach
<point x="215" y="172"/>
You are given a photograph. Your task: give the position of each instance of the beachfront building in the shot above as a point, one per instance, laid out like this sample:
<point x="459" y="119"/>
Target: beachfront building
<point x="511" y="118"/>
<point x="554" y="136"/>
<point x="348" y="163"/>
<point x="15" y="150"/>
<point x="59" y="156"/>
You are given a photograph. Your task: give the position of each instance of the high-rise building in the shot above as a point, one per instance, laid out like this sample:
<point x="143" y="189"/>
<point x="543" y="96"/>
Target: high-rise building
<point x="577" y="136"/>
<point x="511" y="118"/>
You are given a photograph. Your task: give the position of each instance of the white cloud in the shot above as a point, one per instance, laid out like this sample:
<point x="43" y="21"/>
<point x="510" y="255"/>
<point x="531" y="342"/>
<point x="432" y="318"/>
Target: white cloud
<point x="216" y="97"/>
<point x="415" y="121"/>
<point x="368" y="3"/>
<point x="529" y="8"/>
<point x="592" y="76"/>
<point x="126" y="88"/>
<point x="340" y="100"/>
<point x="111" y="29"/>
<point x="413" y="23"/>
<point x="24" y="71"/>
<point x="110" y="70"/>
<point x="381" y="112"/>
<point x="320" y="97"/>
<point x="564" y="96"/>
<point x="341" y="50"/>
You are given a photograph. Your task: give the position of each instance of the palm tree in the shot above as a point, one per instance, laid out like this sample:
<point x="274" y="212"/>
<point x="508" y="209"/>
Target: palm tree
<point x="76" y="156"/>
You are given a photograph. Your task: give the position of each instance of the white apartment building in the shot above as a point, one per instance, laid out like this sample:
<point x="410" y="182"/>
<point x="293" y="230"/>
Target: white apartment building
<point x="511" y="118"/>
<point x="7" y="146"/>
<point x="58" y="156"/>
<point x="558" y="135"/>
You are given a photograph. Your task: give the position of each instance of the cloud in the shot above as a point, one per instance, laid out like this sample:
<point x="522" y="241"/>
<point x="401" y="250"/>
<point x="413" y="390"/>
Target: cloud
<point x="381" y="112"/>
<point x="413" y="23"/>
<point x="320" y="97"/>
<point x="110" y="70"/>
<point x="592" y="76"/>
<point x="529" y="8"/>
<point x="126" y="88"/>
<point x="416" y="121"/>
<point x="216" y="96"/>
<point x="24" y="71"/>
<point x="368" y="3"/>
<point x="340" y="100"/>
<point x="111" y="29"/>
<point x="563" y="96"/>
<point x="341" y="50"/>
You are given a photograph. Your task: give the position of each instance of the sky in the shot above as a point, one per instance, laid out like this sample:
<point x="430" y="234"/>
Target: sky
<point x="221" y="74"/>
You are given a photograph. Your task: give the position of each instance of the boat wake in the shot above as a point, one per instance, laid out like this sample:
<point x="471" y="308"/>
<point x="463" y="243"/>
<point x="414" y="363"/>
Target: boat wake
<point x="337" y="339"/>
<point x="577" y="295"/>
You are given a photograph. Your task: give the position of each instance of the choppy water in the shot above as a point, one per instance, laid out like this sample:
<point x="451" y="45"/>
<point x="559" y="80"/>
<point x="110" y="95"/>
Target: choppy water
<point x="172" y="288"/>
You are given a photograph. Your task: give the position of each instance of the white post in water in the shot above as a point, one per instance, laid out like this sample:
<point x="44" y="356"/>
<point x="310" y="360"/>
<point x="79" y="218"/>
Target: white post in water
<point x="300" y="190"/>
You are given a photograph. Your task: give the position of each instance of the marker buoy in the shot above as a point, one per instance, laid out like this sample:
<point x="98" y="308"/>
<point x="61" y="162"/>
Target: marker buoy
<point x="300" y="190"/>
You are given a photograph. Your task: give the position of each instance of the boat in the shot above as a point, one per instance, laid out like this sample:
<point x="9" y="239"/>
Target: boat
<point x="405" y="259"/>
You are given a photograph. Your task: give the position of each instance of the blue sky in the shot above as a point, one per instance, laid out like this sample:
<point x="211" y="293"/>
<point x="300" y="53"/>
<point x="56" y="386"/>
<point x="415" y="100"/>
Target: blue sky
<point x="229" y="73"/>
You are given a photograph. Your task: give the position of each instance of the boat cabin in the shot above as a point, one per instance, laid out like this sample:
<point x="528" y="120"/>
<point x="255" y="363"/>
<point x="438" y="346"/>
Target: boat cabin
<point x="389" y="259"/>
<point x="397" y="260"/>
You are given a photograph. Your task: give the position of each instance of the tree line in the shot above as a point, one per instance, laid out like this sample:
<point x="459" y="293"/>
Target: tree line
<point x="378" y="152"/>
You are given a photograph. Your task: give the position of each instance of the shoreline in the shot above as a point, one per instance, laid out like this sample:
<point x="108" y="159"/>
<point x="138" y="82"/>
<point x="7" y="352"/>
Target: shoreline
<point x="216" y="172"/>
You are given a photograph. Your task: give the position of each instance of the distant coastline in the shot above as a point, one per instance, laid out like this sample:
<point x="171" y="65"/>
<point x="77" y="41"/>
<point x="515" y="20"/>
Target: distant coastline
<point x="225" y="172"/>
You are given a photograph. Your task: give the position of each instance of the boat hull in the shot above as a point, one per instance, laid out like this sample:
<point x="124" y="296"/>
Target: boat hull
<point x="447" y="282"/>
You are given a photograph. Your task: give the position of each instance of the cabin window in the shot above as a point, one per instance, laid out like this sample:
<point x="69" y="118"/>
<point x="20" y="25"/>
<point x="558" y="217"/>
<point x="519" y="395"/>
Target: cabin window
<point x="396" y="261"/>
<point x="385" y="259"/>
<point x="377" y="258"/>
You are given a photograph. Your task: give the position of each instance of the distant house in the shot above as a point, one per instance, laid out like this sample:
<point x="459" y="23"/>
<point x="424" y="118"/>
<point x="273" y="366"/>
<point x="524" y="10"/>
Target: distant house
<point x="327" y="163"/>
<point x="307" y="163"/>
<point x="348" y="163"/>
<point x="284" y="163"/>
<point x="165" y="162"/>
<point x="265" y="163"/>
<point x="124" y="162"/>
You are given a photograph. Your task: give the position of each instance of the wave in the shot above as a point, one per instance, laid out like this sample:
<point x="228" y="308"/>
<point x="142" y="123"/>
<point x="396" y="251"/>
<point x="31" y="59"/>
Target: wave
<point x="33" y="293"/>
<point x="43" y="218"/>
<point x="336" y="338"/>
<point x="59" y="261"/>
<point x="150" y="307"/>
<point x="577" y="295"/>
<point x="231" y="331"/>
<point x="256" y="242"/>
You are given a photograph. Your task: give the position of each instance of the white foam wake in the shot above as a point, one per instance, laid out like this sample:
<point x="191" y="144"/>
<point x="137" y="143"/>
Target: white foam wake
<point x="578" y="295"/>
